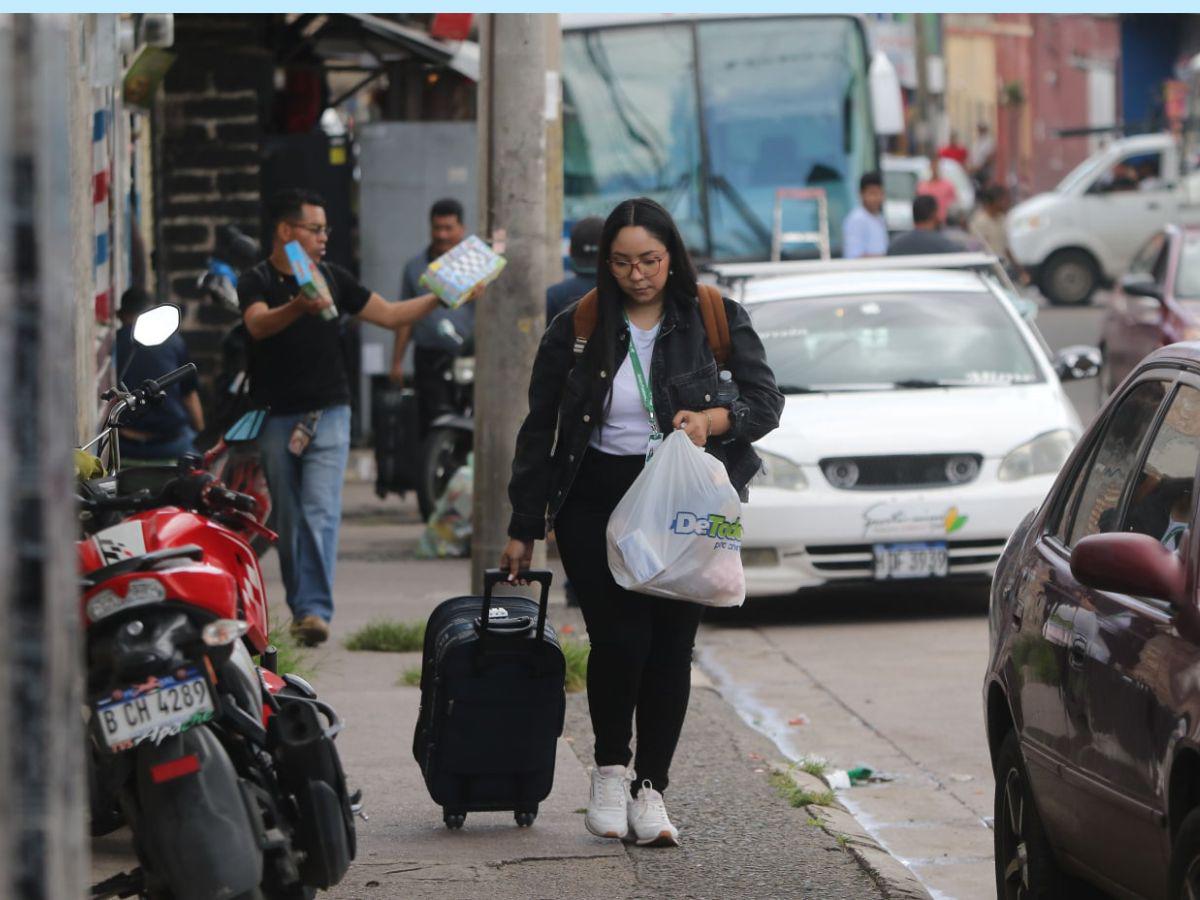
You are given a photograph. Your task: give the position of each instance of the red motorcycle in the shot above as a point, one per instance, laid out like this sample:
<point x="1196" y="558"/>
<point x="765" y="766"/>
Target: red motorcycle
<point x="225" y="770"/>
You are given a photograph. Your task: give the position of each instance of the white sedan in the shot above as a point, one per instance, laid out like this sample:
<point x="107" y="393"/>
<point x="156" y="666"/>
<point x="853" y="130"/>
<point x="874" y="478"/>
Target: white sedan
<point x="924" y="419"/>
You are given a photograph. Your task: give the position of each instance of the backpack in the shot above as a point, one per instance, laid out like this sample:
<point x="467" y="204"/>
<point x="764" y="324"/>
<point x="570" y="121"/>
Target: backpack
<point x="712" y="311"/>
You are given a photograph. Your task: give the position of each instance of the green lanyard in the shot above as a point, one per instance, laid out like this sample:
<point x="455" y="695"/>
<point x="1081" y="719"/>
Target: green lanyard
<point x="643" y="384"/>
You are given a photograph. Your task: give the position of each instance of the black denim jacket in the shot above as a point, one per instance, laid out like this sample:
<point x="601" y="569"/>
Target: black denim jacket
<point x="683" y="375"/>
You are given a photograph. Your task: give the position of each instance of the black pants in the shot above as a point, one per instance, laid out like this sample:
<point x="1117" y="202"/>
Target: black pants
<point x="641" y="654"/>
<point x="433" y="377"/>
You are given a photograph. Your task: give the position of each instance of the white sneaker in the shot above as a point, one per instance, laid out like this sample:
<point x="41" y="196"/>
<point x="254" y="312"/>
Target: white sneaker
<point x="607" y="812"/>
<point x="648" y="819"/>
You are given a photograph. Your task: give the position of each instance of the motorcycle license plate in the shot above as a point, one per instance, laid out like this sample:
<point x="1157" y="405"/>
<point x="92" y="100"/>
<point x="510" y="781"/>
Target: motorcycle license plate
<point x="158" y="709"/>
<point x="928" y="560"/>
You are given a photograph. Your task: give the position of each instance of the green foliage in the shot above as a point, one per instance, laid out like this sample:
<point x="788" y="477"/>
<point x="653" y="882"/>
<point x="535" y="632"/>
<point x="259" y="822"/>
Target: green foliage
<point x="388" y="636"/>
<point x="576" y="653"/>
<point x="291" y="656"/>
<point x="797" y="796"/>
<point x="411" y="677"/>
<point x="813" y="766"/>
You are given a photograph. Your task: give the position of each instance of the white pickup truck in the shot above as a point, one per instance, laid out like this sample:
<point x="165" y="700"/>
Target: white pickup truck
<point x="1086" y="231"/>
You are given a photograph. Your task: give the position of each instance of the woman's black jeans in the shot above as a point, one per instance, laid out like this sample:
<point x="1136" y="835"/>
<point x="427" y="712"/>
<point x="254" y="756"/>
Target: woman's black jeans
<point x="641" y="653"/>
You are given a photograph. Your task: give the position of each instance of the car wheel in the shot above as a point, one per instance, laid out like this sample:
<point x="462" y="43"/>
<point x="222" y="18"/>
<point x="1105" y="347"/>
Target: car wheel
<point x="1069" y="277"/>
<point x="1184" y="873"/>
<point x="1025" y="866"/>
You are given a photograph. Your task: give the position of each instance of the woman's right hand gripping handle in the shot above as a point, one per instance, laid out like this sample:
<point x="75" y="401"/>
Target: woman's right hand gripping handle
<point x="517" y="557"/>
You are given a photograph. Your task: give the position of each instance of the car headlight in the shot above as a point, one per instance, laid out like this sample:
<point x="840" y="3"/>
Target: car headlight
<point x="1026" y="224"/>
<point x="139" y="592"/>
<point x="778" y="472"/>
<point x="1044" y="455"/>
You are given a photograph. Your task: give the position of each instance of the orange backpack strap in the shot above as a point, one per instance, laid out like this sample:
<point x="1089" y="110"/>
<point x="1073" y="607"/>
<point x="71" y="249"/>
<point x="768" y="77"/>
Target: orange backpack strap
<point x="716" y="323"/>
<point x="712" y="311"/>
<point x="587" y="314"/>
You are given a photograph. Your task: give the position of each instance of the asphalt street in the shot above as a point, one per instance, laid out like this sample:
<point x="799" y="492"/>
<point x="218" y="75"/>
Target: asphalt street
<point x="890" y="680"/>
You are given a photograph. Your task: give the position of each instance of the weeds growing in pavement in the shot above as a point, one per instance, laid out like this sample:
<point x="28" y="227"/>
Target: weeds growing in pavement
<point x="411" y="677"/>
<point x="797" y="796"/>
<point x="813" y="766"/>
<point x="576" y="653"/>
<point x="291" y="656"/>
<point x="388" y="636"/>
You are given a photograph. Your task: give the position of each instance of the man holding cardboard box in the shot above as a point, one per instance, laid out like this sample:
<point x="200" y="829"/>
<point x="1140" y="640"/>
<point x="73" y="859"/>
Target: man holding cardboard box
<point x="290" y="303"/>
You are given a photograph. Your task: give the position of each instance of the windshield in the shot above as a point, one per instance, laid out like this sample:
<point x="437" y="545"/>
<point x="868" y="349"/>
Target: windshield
<point x="1084" y="172"/>
<point x="1187" y="278"/>
<point x="710" y="118"/>
<point x="880" y="341"/>
<point x="899" y="185"/>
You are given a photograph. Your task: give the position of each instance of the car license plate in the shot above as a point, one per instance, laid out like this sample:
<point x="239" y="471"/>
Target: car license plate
<point x="927" y="560"/>
<point x="158" y="709"/>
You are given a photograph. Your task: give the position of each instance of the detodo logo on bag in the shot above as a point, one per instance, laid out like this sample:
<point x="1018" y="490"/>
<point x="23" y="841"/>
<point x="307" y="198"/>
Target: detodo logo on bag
<point x="710" y="526"/>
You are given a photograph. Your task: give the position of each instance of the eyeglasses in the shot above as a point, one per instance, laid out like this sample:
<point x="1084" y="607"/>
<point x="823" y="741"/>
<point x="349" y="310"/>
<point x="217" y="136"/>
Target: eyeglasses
<point x="314" y="229"/>
<point x="623" y="268"/>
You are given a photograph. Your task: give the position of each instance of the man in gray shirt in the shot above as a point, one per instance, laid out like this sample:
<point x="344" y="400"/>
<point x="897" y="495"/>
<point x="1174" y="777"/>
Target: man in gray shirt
<point x="444" y="334"/>
<point x="926" y="236"/>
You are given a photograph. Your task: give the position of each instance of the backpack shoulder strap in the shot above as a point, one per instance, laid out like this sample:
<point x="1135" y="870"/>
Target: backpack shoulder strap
<point x="712" y="311"/>
<point x="585" y="317"/>
<point x="716" y="323"/>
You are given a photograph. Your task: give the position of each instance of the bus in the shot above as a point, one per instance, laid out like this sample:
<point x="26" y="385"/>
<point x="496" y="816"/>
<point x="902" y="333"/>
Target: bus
<point x="710" y="115"/>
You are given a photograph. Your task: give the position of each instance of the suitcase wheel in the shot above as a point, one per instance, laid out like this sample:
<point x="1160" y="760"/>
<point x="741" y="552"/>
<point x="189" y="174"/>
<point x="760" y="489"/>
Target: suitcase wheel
<point x="525" y="817"/>
<point x="454" y="820"/>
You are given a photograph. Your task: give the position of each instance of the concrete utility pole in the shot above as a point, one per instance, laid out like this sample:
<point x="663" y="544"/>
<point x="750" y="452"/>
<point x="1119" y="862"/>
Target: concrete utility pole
<point x="924" y="128"/>
<point x="513" y="117"/>
<point x="42" y="788"/>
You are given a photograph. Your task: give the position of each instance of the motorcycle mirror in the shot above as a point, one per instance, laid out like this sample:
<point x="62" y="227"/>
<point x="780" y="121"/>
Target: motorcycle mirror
<point x="156" y="324"/>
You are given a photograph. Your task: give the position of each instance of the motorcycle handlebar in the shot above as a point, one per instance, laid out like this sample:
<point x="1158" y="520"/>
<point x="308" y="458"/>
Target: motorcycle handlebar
<point x="165" y="381"/>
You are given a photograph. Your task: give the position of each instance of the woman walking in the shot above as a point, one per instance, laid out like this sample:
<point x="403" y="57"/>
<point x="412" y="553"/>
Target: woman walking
<point x="595" y="410"/>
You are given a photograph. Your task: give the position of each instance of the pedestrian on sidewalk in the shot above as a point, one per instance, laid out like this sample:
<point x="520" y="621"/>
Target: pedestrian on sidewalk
<point x="167" y="430"/>
<point x="298" y="371"/>
<point x="864" y="230"/>
<point x="585" y="243"/>
<point x="445" y="335"/>
<point x="579" y="450"/>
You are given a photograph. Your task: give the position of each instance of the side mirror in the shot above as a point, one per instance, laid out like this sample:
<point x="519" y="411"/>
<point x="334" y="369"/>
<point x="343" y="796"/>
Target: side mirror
<point x="1130" y="563"/>
<point x="887" y="103"/>
<point x="1077" y="362"/>
<point x="1141" y="285"/>
<point x="156" y="324"/>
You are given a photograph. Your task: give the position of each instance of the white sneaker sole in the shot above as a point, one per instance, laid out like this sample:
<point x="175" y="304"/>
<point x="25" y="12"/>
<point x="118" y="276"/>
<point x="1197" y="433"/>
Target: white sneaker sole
<point x="617" y="835"/>
<point x="665" y="838"/>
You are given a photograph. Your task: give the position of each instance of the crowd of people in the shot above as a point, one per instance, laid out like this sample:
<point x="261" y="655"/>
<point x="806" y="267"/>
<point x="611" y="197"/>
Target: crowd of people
<point x="939" y="224"/>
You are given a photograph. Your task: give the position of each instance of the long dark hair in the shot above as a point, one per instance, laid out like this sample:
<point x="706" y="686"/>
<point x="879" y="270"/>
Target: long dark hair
<point x="680" y="290"/>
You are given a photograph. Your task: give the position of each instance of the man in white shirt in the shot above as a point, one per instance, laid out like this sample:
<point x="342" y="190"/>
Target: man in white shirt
<point x="864" y="231"/>
<point x="982" y="155"/>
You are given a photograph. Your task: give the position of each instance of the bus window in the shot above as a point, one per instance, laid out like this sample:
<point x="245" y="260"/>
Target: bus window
<point x="784" y="105"/>
<point x="629" y="123"/>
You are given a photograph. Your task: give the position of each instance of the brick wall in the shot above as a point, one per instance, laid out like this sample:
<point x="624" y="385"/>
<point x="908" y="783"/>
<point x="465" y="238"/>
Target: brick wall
<point x="216" y="102"/>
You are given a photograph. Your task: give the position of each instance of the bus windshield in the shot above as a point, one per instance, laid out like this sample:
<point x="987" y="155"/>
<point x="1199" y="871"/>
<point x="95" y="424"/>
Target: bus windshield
<point x="710" y="117"/>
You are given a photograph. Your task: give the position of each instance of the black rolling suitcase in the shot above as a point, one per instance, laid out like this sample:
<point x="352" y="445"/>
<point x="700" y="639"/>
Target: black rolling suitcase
<point x="492" y="703"/>
<point x="396" y="424"/>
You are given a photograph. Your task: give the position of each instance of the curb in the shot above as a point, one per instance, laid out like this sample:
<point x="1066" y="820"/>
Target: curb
<point x="895" y="880"/>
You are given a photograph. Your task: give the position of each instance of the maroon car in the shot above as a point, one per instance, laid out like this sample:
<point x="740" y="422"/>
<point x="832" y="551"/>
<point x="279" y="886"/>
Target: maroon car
<point x="1156" y="303"/>
<point x="1093" y="686"/>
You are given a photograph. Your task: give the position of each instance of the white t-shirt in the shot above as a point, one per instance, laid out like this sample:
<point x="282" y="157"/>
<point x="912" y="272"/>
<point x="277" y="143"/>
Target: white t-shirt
<point x="626" y="431"/>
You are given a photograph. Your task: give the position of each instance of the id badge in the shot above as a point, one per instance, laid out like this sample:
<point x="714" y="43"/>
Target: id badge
<point x="303" y="434"/>
<point x="656" y="440"/>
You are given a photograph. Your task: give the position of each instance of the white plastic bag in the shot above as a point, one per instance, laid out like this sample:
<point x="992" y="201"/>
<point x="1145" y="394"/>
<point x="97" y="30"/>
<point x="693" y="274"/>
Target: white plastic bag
<point x="677" y="532"/>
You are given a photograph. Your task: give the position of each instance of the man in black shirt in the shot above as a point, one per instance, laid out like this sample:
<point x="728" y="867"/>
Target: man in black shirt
<point x="297" y="369"/>
<point x="926" y="236"/>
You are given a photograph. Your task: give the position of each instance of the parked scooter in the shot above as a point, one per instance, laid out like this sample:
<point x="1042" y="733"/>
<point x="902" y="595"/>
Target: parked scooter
<point x="450" y="439"/>
<point x="225" y="771"/>
<point x="234" y="457"/>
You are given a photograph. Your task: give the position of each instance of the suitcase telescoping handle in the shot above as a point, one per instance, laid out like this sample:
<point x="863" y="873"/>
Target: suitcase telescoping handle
<point x="493" y="577"/>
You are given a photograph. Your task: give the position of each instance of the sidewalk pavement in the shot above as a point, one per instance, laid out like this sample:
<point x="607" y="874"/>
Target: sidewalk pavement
<point x="740" y="838"/>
